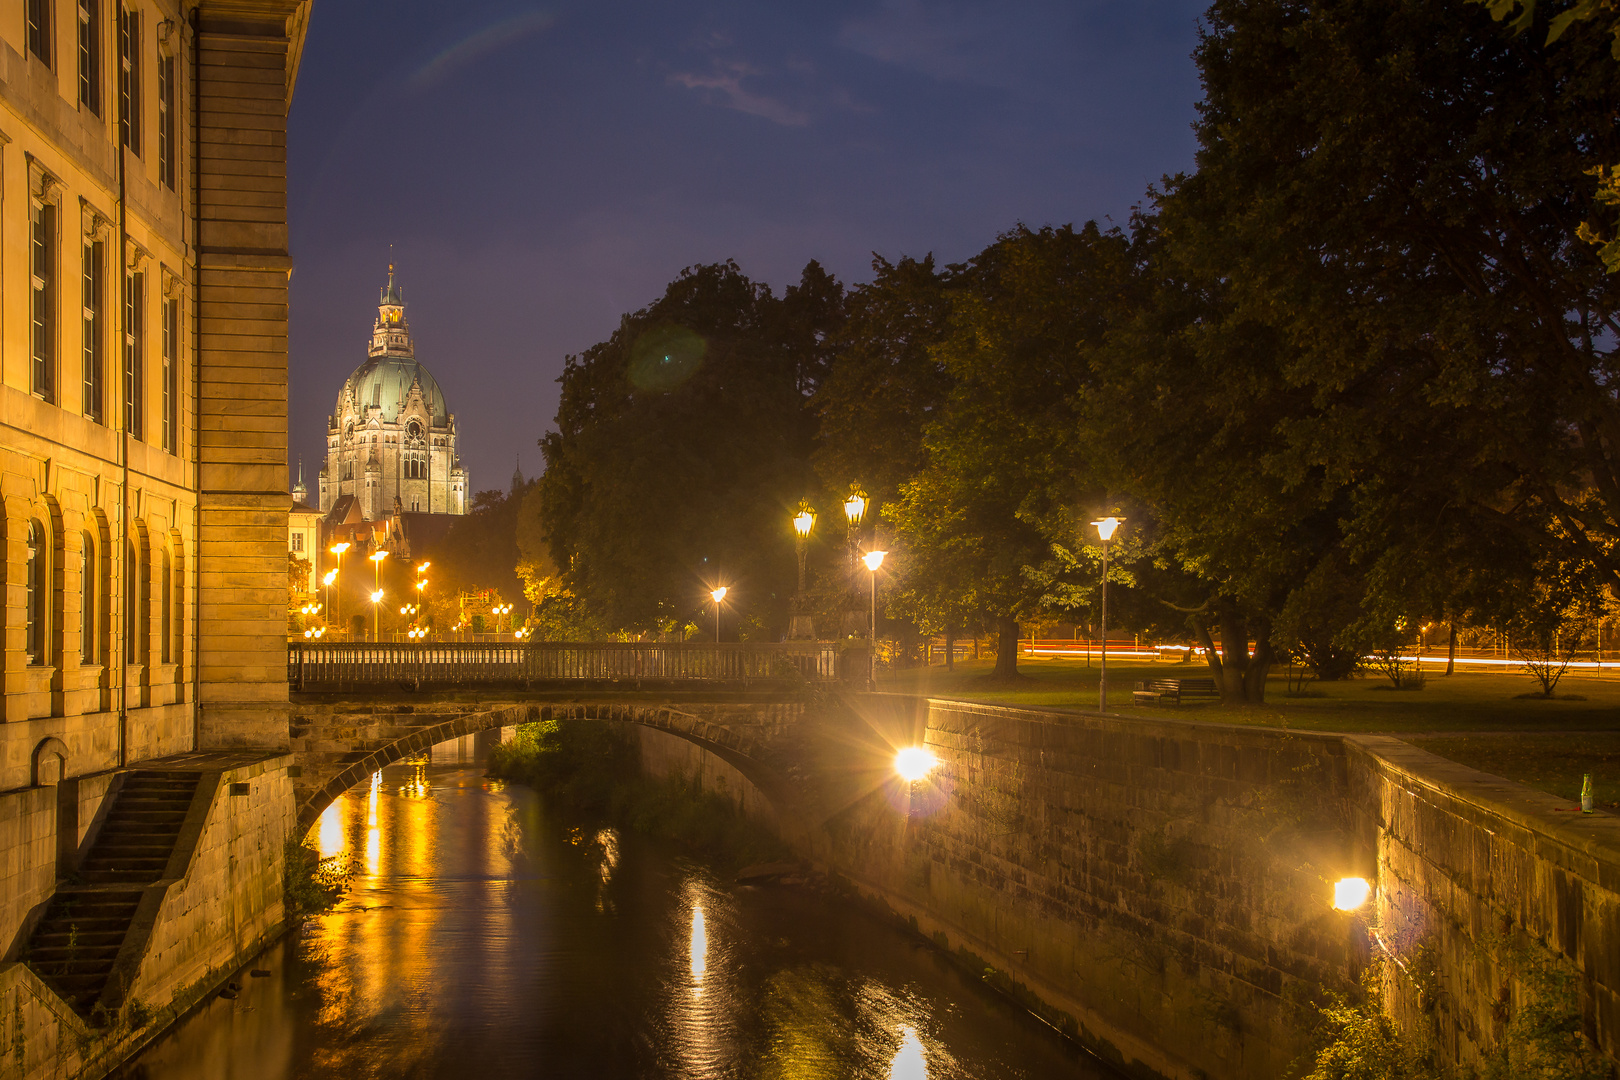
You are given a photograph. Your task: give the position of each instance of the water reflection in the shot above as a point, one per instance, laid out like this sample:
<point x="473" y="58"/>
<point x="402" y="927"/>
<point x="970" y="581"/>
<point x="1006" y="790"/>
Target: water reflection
<point x="908" y="1063"/>
<point x="699" y="947"/>
<point x="481" y="936"/>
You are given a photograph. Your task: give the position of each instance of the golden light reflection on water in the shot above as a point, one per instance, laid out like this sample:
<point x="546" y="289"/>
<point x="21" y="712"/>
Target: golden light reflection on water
<point x="700" y="947"/>
<point x="373" y="833"/>
<point x="330" y="839"/>
<point x="909" y="1062"/>
<point x="608" y="841"/>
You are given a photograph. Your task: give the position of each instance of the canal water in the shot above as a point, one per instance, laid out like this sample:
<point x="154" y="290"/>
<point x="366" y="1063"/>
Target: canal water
<point x="485" y="937"/>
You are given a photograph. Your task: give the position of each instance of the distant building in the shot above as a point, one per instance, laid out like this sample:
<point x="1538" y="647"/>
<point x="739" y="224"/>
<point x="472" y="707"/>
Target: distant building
<point x="391" y="440"/>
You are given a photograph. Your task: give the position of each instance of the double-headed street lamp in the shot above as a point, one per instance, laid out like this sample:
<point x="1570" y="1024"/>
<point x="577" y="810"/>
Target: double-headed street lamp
<point x="377" y="558"/>
<point x="1105" y="529"/>
<point x="718" y="595"/>
<point x="338" y="550"/>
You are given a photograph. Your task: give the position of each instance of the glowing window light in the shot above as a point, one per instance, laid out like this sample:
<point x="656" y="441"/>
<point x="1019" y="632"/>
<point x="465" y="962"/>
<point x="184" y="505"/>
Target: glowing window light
<point x="914" y="763"/>
<point x="1350" y="893"/>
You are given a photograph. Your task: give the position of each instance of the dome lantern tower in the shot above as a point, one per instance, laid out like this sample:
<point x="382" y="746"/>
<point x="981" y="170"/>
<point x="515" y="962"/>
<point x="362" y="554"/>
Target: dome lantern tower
<point x="391" y="336"/>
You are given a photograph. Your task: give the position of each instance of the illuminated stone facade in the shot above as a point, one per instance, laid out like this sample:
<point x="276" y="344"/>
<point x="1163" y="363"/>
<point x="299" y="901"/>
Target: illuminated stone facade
<point x="143" y="388"/>
<point x="391" y="440"/>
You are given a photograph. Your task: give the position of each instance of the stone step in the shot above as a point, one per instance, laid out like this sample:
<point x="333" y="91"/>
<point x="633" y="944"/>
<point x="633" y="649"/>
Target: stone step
<point x="75" y="937"/>
<point x="74" y="961"/>
<point x="117" y="877"/>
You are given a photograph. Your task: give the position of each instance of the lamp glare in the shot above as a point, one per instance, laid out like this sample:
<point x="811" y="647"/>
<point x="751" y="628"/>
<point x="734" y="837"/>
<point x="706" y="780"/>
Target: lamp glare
<point x="914" y="763"/>
<point x="873" y="560"/>
<point x="1350" y="893"/>
<point x="1106" y="527"/>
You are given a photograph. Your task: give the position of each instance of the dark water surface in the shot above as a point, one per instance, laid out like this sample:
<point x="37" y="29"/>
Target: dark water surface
<point x="483" y="937"/>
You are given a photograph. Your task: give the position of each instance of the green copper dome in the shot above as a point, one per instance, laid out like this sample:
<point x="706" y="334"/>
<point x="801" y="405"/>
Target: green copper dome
<point x="385" y="382"/>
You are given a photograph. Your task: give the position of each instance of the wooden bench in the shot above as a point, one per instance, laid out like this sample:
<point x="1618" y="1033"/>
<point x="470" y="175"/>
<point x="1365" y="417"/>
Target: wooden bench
<point x="1152" y="690"/>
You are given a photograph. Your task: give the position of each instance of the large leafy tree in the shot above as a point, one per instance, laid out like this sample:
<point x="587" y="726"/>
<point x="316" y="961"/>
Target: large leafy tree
<point x="682" y="443"/>
<point x="1388" y="190"/>
<point x="1000" y="478"/>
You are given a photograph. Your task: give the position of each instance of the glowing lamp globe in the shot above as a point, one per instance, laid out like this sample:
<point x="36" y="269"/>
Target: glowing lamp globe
<point x="873" y="560"/>
<point x="1350" y="893"/>
<point x="1106" y="527"/>
<point x="914" y="763"/>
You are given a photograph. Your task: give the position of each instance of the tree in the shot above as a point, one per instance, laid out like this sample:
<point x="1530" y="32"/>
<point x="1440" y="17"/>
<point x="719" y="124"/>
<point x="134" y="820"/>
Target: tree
<point x="682" y="444"/>
<point x="1000" y="479"/>
<point x="477" y="553"/>
<point x="1389" y="191"/>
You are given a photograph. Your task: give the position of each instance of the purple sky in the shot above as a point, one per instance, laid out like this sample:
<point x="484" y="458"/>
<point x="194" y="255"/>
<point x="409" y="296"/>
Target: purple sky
<point x="540" y="170"/>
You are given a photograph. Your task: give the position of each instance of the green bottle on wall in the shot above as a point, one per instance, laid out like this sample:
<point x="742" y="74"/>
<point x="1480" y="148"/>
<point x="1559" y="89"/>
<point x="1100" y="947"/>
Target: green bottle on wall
<point x="1586" y="794"/>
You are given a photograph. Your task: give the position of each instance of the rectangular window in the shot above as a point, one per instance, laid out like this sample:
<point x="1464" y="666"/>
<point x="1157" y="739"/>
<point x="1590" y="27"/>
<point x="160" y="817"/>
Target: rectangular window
<point x="39" y="29"/>
<point x="298" y="542"/>
<point x="134" y="352"/>
<point x="166" y="121"/>
<point x="166" y="617"/>
<point x="94" y="356"/>
<point x="129" y="81"/>
<point x="42" y="267"/>
<point x="171" y="373"/>
<point x="132" y="604"/>
<point x="87" y="600"/>
<point x="90" y="55"/>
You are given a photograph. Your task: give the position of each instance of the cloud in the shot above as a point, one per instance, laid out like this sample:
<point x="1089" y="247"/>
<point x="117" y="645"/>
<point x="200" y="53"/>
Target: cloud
<point x="480" y="44"/>
<point x="726" y="82"/>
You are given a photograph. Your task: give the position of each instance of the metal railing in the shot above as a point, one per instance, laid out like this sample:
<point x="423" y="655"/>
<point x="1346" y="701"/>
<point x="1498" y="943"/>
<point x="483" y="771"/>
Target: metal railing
<point x="358" y="664"/>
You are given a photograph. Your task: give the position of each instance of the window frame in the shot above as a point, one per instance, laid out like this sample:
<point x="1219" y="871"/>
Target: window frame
<point x="94" y="311"/>
<point x="135" y="352"/>
<point x="42" y="274"/>
<point x="89" y="53"/>
<point x="38" y="35"/>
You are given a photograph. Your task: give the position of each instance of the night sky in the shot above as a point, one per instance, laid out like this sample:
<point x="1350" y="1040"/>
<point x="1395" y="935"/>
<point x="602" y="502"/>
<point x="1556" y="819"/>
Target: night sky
<point x="541" y="170"/>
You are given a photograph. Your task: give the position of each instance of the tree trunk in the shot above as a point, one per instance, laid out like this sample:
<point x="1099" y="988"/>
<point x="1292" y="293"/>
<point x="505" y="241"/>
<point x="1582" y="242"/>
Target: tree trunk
<point x="1240" y="678"/>
<point x="1006" y="647"/>
<point x="1451" y="651"/>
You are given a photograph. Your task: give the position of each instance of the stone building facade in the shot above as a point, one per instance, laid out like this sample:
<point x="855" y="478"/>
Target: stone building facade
<point x="391" y="440"/>
<point x="143" y="378"/>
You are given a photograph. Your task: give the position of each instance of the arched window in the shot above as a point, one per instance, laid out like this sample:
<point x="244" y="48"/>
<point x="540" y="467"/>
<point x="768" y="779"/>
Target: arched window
<point x="166" y="595"/>
<point x="87" y="599"/>
<point x="132" y="604"/>
<point x="38" y="591"/>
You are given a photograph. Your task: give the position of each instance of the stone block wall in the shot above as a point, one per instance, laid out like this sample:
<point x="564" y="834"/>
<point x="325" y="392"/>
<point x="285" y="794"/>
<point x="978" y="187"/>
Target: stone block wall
<point x="1483" y="884"/>
<point x="229" y="904"/>
<point x="1164" y="889"/>
<point x="666" y="756"/>
<point x="27" y="858"/>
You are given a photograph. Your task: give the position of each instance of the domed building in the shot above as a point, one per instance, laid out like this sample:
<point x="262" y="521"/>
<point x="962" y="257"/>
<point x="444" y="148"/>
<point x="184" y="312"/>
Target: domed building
<point x="391" y="440"/>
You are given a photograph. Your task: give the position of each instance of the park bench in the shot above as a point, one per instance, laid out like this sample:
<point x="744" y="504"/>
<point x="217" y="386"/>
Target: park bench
<point x="1152" y="690"/>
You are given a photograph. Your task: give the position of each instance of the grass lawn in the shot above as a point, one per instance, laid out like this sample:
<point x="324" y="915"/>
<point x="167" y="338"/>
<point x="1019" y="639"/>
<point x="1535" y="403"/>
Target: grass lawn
<point x="1550" y="763"/>
<point x="1468" y="701"/>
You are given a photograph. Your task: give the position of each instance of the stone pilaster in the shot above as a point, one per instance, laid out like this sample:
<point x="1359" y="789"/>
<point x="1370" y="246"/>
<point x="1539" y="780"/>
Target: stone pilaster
<point x="246" y="56"/>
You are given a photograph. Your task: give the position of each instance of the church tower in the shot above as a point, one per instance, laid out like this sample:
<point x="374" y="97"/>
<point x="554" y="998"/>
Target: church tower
<point x="391" y="440"/>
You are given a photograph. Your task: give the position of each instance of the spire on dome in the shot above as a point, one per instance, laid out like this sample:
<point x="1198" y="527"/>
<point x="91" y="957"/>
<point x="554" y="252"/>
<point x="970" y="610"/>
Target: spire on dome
<point x="391" y="336"/>
<point x="517" y="476"/>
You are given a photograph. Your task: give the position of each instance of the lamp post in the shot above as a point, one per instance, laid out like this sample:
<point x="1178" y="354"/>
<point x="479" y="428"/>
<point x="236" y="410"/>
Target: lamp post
<point x="1105" y="529"/>
<point x="873" y="560"/>
<point x="854" y="511"/>
<point x="718" y="595"/>
<point x="801" y="625"/>
<point x="338" y="550"/>
<point x="377" y="558"/>
<point x="326" y="581"/>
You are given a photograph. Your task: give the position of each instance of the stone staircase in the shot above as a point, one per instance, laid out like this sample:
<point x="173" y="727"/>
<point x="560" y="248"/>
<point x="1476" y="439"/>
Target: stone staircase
<point x="75" y="945"/>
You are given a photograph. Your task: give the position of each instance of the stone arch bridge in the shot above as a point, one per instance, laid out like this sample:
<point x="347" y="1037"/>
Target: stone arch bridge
<point x="338" y="744"/>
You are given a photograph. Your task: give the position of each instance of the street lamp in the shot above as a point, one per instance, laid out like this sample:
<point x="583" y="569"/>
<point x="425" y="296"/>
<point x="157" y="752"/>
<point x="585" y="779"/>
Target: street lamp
<point x="717" y="595"/>
<point x="1105" y="529"/>
<point x="873" y="560"/>
<point x="800" y="625"/>
<point x="326" y="580"/>
<point x="376" y="615"/>
<point x="338" y="550"/>
<point x="855" y="504"/>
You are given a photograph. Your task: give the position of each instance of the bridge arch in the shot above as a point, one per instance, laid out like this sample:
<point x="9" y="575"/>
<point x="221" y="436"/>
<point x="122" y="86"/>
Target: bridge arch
<point x="731" y="746"/>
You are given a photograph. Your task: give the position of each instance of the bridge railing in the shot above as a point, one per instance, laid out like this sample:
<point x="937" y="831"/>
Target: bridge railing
<point x="352" y="664"/>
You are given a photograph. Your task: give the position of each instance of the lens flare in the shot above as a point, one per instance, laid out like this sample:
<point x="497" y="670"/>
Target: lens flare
<point x="700" y="945"/>
<point x="1350" y="893"/>
<point x="915" y="763"/>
